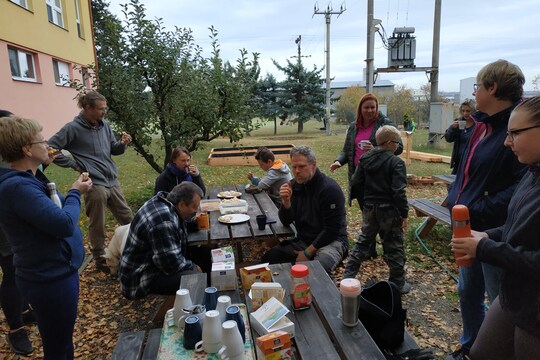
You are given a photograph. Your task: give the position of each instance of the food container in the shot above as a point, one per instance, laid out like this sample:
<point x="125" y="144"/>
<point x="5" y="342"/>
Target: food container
<point x="233" y="206"/>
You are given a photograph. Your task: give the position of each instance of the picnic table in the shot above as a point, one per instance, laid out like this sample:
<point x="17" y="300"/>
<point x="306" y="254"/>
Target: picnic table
<point x="319" y="333"/>
<point x="259" y="203"/>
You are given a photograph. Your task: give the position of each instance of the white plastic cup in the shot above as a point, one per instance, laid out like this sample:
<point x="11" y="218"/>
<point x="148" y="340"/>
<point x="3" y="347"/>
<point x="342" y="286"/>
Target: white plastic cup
<point x="363" y="143"/>
<point x="462" y="124"/>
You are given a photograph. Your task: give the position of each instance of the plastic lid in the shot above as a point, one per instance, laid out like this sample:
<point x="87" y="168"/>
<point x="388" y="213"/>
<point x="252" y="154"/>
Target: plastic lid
<point x="460" y="213"/>
<point x="350" y="286"/>
<point x="299" y="270"/>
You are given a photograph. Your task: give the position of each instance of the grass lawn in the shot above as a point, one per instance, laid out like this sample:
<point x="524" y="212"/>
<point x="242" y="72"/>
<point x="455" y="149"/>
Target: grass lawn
<point x="137" y="177"/>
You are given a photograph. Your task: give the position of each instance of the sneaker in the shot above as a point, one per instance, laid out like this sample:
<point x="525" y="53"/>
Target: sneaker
<point x="19" y="343"/>
<point x="406" y="288"/>
<point x="29" y="317"/>
<point x="460" y="354"/>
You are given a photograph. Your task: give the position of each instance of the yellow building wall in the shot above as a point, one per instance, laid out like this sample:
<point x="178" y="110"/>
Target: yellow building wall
<point x="32" y="29"/>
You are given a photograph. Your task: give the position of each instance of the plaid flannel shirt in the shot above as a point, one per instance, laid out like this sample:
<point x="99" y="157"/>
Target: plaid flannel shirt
<point x="156" y="244"/>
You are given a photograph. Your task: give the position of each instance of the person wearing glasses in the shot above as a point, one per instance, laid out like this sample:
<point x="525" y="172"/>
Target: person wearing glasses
<point x="379" y="184"/>
<point x="460" y="132"/>
<point x="45" y="239"/>
<point x="486" y="178"/>
<point x="511" y="329"/>
<point x="91" y="141"/>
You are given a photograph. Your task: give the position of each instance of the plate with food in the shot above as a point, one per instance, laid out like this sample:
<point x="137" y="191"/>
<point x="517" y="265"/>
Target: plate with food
<point x="233" y="218"/>
<point x="229" y="194"/>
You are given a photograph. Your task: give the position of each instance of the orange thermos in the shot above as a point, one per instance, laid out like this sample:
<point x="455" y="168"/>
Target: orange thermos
<point x="461" y="226"/>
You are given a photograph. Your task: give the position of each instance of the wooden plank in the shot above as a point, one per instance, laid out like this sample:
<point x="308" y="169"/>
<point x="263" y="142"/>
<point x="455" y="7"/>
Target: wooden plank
<point x="353" y="343"/>
<point x="196" y="283"/>
<point x="253" y="211"/>
<point x="429" y="208"/>
<point x="429" y="157"/>
<point x="311" y="338"/>
<point x="151" y="347"/>
<point x="271" y="211"/>
<point x="128" y="346"/>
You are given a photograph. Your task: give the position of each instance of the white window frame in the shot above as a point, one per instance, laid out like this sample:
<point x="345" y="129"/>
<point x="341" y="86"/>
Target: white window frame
<point x="61" y="72"/>
<point x="21" y="3"/>
<point x="78" y="19"/>
<point x="54" y="12"/>
<point x="24" y="64"/>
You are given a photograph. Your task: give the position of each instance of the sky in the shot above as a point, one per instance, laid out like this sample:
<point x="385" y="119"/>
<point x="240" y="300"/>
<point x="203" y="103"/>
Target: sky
<point x="473" y="34"/>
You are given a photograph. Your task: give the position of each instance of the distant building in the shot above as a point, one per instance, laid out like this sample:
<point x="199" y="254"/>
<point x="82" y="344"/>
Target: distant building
<point x="380" y="88"/>
<point x="40" y="42"/>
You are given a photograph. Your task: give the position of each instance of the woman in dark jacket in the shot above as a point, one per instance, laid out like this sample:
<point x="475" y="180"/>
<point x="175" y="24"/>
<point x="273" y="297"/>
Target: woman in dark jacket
<point x="178" y="170"/>
<point x="511" y="329"/>
<point x="460" y="135"/>
<point x="46" y="240"/>
<point x="360" y="136"/>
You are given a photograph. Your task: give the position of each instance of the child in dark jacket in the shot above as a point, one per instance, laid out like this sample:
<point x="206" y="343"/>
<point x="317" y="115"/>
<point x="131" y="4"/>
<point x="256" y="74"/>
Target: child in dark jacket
<point x="379" y="184"/>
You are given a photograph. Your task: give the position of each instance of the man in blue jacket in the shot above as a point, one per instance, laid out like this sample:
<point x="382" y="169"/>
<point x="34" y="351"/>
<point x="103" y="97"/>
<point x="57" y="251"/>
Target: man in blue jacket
<point x="485" y="181"/>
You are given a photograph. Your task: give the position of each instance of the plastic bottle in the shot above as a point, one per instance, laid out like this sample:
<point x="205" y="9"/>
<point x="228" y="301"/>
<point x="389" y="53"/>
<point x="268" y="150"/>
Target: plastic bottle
<point x="300" y="290"/>
<point x="350" y="296"/>
<point x="51" y="187"/>
<point x="461" y="227"/>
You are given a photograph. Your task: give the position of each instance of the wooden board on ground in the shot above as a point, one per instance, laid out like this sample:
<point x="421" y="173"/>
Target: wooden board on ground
<point x="428" y="157"/>
<point x="245" y="155"/>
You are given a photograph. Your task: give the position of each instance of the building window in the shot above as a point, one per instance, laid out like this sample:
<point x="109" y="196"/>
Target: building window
<point x="61" y="72"/>
<point x="54" y="12"/>
<point x="22" y="3"/>
<point x="78" y="19"/>
<point x="22" y="65"/>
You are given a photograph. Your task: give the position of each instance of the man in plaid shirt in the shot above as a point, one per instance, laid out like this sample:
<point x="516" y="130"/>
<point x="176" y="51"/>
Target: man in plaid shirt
<point x="154" y="258"/>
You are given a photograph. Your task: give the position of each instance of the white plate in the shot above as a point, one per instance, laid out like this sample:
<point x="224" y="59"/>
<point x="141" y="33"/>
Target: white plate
<point x="235" y="218"/>
<point x="229" y="194"/>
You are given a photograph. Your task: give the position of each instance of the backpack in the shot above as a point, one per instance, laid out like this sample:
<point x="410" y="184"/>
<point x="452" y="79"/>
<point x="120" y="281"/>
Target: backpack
<point x="382" y="315"/>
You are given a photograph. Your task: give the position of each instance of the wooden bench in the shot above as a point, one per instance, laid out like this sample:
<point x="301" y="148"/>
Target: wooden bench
<point x="435" y="212"/>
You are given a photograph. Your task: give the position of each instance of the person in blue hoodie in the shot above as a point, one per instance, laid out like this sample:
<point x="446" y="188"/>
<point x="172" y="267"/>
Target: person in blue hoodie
<point x="45" y="239"/>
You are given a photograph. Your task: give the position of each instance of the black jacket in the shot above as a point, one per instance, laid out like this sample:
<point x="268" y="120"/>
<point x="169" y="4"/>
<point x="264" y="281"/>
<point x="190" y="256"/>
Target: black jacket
<point x="515" y="247"/>
<point x="318" y="211"/>
<point x="167" y="180"/>
<point x="381" y="178"/>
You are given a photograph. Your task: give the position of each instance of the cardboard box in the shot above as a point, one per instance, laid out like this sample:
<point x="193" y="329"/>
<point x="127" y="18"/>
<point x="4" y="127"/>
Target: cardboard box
<point x="261" y="292"/>
<point x="274" y="346"/>
<point x="255" y="273"/>
<point x="223" y="254"/>
<point x="271" y="317"/>
<point x="223" y="275"/>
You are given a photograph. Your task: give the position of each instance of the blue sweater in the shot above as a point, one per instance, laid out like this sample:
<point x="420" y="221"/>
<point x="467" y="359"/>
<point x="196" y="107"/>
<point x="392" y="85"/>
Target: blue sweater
<point x="486" y="180"/>
<point x="46" y="240"/>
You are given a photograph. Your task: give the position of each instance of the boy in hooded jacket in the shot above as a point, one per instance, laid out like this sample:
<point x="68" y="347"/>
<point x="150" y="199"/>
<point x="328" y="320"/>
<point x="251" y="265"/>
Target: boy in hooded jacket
<point x="278" y="173"/>
<point x="379" y="183"/>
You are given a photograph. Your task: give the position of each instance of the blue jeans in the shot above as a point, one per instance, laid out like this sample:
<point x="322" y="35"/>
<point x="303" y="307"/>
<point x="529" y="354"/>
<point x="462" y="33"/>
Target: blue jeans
<point x="473" y="283"/>
<point x="55" y="305"/>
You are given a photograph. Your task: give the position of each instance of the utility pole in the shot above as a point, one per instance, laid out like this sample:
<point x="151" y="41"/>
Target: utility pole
<point x="370" y="51"/>
<point x="328" y="14"/>
<point x="434" y="78"/>
<point x="298" y="42"/>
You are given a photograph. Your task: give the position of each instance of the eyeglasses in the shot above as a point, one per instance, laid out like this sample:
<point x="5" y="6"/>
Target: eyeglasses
<point x="394" y="142"/>
<point x="39" y="142"/>
<point x="512" y="133"/>
<point x="476" y="87"/>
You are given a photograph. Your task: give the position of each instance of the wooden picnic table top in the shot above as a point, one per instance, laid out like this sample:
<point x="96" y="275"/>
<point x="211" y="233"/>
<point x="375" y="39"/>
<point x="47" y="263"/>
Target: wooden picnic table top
<point x="319" y="332"/>
<point x="258" y="204"/>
